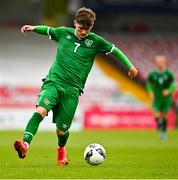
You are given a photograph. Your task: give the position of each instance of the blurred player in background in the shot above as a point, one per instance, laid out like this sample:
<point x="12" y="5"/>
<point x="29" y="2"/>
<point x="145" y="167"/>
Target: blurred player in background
<point x="160" y="86"/>
<point x="65" y="81"/>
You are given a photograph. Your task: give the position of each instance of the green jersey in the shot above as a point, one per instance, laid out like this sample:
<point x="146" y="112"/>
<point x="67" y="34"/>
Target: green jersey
<point x="75" y="56"/>
<point x="158" y="81"/>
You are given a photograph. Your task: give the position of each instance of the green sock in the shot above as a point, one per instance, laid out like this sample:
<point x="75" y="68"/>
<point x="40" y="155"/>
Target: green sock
<point x="32" y="127"/>
<point x="164" y="125"/>
<point x="62" y="140"/>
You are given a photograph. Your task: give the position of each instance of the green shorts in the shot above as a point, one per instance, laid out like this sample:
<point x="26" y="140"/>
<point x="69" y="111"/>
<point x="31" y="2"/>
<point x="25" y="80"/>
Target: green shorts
<point x="162" y="105"/>
<point x="62" y="101"/>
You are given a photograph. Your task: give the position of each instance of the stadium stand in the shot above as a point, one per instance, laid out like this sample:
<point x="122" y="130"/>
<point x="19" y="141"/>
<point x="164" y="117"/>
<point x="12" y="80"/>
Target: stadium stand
<point x="142" y="48"/>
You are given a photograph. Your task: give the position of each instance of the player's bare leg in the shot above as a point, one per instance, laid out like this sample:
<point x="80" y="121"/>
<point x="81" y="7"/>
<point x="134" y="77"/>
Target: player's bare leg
<point x="61" y="150"/>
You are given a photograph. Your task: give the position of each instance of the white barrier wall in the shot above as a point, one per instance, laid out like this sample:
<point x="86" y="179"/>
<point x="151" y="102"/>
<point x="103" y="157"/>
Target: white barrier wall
<point x="11" y="118"/>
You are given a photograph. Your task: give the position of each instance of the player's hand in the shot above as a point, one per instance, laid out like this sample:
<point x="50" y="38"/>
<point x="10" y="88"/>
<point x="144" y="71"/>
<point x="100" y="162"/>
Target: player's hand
<point x="151" y="96"/>
<point x="132" y="72"/>
<point x="165" y="92"/>
<point x="27" y="28"/>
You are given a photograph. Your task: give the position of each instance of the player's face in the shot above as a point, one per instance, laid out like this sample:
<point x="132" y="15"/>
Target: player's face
<point x="80" y="31"/>
<point x="160" y="62"/>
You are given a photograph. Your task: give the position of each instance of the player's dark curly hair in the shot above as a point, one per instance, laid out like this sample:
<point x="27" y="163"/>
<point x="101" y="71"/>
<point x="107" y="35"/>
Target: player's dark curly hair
<point x="85" y="17"/>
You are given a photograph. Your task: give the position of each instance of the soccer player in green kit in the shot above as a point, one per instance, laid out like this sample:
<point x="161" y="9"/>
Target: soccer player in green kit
<point x="160" y="86"/>
<point x="65" y="81"/>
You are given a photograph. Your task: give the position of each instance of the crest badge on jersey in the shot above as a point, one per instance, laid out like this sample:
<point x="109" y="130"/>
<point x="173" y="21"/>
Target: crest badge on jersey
<point x="160" y="80"/>
<point x="88" y="42"/>
<point x="165" y="77"/>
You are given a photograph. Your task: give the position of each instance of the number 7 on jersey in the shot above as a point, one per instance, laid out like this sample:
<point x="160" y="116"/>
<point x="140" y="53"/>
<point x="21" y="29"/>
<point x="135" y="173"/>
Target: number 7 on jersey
<point x="77" y="45"/>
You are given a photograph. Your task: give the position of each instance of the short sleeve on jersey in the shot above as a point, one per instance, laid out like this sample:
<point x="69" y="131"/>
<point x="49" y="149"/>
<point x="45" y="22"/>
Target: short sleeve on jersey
<point x="171" y="76"/>
<point x="150" y="77"/>
<point x="104" y="46"/>
<point x="54" y="33"/>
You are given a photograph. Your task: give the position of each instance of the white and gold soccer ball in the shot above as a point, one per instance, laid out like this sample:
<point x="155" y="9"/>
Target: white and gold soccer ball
<point x="94" y="154"/>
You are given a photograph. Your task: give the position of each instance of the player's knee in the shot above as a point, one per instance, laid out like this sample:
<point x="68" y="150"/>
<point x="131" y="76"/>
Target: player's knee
<point x="60" y="132"/>
<point x="41" y="110"/>
<point x="157" y="115"/>
<point x="164" y="115"/>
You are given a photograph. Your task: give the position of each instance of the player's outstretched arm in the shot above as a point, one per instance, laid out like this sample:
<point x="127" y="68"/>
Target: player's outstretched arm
<point x="124" y="59"/>
<point x="42" y="29"/>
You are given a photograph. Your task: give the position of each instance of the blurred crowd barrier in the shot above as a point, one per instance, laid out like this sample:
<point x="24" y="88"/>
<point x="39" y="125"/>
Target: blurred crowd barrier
<point x="99" y="107"/>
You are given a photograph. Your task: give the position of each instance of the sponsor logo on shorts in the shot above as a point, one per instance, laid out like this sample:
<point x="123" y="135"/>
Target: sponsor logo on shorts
<point x="46" y="101"/>
<point x="64" y="126"/>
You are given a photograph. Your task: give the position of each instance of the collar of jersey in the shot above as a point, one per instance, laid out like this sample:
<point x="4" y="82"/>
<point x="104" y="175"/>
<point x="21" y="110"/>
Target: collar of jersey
<point x="161" y="71"/>
<point x="75" y="33"/>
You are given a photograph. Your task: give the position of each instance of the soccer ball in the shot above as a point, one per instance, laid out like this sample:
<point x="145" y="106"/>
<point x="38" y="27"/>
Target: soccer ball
<point x="94" y="154"/>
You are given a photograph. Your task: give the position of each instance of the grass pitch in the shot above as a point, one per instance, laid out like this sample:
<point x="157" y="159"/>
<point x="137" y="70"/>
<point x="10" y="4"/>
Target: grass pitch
<point x="130" y="154"/>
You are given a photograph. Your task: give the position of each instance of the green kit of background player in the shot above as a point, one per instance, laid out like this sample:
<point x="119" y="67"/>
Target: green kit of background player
<point x="161" y="85"/>
<point x="65" y="81"/>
